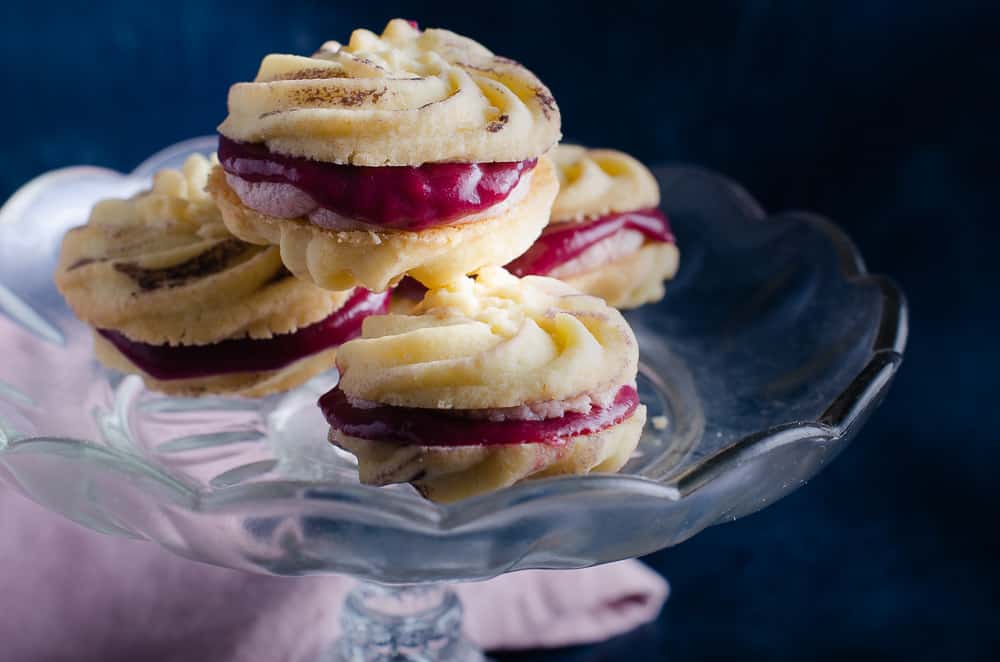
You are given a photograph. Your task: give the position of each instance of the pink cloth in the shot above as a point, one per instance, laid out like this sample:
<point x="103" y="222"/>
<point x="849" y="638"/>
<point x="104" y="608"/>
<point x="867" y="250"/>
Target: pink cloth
<point x="70" y="594"/>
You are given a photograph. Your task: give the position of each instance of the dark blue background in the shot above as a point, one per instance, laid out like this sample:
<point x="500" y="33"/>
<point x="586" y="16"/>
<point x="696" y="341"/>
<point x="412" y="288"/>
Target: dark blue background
<point x="875" y="113"/>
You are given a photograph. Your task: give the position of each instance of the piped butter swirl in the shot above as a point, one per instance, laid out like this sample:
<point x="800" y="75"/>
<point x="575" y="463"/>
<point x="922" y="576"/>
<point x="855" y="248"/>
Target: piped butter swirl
<point x="162" y="268"/>
<point x="404" y="97"/>
<point x="493" y="341"/>
<point x="596" y="182"/>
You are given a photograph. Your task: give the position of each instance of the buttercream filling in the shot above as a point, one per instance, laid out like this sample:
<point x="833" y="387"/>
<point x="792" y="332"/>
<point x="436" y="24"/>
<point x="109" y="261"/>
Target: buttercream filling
<point x="434" y="427"/>
<point x="392" y="197"/>
<point x="168" y="362"/>
<point x="561" y="244"/>
<point x="539" y="411"/>
<point x="622" y="243"/>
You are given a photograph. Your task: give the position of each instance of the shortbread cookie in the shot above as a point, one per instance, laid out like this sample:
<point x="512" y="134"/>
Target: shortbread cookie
<point x="413" y="152"/>
<point x="176" y="298"/>
<point x="607" y="236"/>
<point x="377" y="259"/>
<point x="489" y="381"/>
<point x="405" y="97"/>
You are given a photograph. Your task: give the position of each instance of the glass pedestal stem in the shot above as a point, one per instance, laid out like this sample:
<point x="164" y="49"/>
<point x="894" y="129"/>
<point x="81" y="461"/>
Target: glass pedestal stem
<point x="403" y="623"/>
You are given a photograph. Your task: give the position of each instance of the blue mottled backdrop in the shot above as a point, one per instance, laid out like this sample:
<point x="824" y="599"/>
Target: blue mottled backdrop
<point x="876" y="113"/>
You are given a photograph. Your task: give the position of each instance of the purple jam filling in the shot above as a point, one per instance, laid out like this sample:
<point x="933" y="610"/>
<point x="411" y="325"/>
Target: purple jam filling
<point x="430" y="427"/>
<point x="396" y="197"/>
<point x="410" y="288"/>
<point x="562" y="242"/>
<point x="166" y="362"/>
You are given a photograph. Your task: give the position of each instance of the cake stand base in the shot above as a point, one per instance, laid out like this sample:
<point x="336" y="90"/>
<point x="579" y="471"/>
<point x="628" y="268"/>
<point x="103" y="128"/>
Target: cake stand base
<point x="402" y="623"/>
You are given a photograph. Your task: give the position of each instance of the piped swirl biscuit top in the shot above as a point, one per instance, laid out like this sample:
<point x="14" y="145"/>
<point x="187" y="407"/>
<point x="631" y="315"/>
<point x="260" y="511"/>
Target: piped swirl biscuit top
<point x="404" y="97"/>
<point x="495" y="341"/>
<point x="596" y="182"/>
<point x="161" y="268"/>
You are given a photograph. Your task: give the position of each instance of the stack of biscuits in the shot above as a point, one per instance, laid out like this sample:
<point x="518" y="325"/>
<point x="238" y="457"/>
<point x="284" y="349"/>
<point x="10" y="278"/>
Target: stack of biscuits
<point x="414" y="156"/>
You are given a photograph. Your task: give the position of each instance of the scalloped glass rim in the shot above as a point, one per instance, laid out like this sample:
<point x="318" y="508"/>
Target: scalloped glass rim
<point x="523" y="519"/>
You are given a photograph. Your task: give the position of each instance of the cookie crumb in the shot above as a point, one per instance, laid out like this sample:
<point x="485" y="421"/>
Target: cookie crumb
<point x="659" y="422"/>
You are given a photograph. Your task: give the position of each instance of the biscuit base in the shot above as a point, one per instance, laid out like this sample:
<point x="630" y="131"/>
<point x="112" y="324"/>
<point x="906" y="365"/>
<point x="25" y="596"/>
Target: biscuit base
<point x="376" y="260"/>
<point x="247" y="384"/>
<point x="449" y="473"/>
<point x="633" y="280"/>
<point x="252" y="295"/>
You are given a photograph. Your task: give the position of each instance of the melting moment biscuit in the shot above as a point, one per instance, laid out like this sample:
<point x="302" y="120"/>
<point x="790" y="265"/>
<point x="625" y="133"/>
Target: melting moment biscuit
<point x="414" y="152"/>
<point x="487" y="382"/>
<point x="607" y="236"/>
<point x="174" y="297"/>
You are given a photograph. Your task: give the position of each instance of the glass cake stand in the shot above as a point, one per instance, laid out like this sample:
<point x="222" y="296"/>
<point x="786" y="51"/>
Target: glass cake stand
<point x="769" y="352"/>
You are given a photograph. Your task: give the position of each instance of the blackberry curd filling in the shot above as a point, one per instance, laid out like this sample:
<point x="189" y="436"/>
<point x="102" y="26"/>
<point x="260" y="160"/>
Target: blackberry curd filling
<point x="563" y="242"/>
<point x="428" y="427"/>
<point x="166" y="362"/>
<point x="394" y="197"/>
<point x="410" y="288"/>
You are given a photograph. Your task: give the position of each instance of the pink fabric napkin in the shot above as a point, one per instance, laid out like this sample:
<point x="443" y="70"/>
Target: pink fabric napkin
<point x="67" y="593"/>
